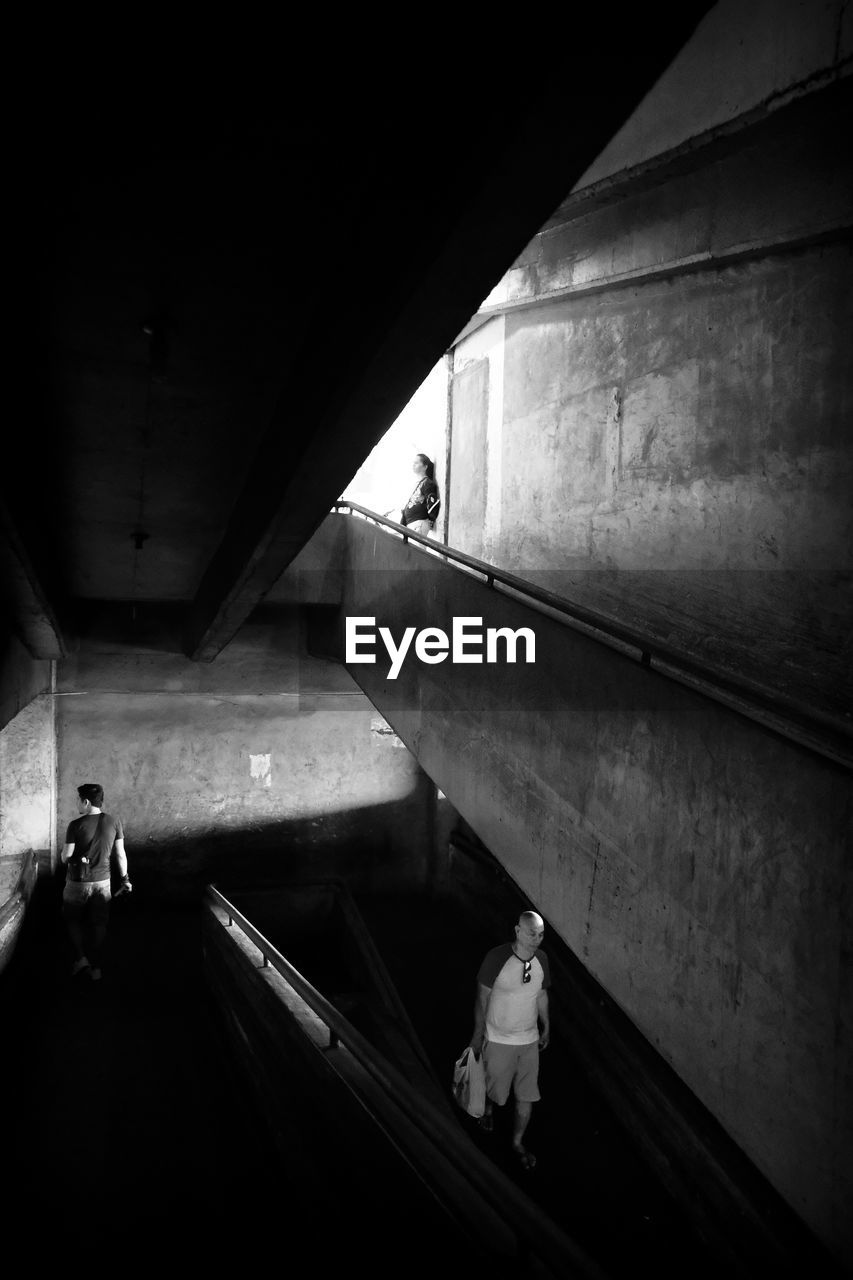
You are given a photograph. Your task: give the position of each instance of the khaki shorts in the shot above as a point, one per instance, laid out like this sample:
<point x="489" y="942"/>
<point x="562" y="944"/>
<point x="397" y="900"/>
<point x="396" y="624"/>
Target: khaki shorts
<point x="87" y="899"/>
<point x="513" y="1066"/>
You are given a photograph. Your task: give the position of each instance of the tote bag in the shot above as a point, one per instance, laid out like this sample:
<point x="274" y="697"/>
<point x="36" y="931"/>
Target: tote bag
<point x="469" y="1083"/>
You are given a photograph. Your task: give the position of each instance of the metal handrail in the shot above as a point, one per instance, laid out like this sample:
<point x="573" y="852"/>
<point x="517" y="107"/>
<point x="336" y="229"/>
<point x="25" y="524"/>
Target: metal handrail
<point x="530" y="1225"/>
<point x="803" y="724"/>
<point x="17" y="899"/>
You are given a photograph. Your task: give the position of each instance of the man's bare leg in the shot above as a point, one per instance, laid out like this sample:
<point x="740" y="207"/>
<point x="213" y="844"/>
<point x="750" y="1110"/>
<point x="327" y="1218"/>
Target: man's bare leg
<point x="523" y="1112"/>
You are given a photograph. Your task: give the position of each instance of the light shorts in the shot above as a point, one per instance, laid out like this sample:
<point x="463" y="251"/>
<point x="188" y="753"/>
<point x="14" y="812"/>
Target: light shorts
<point x="424" y="527"/>
<point x="513" y="1066"/>
<point x="87" y="898"/>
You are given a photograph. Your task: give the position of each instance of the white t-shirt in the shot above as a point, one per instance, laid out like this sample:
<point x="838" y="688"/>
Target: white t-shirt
<point x="511" y="1014"/>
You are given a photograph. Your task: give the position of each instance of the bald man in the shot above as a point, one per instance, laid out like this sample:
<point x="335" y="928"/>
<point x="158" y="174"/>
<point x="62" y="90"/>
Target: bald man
<point x="511" y="1025"/>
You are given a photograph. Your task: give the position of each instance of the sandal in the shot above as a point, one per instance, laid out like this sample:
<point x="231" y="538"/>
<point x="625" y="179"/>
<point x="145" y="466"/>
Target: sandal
<point x="526" y="1159"/>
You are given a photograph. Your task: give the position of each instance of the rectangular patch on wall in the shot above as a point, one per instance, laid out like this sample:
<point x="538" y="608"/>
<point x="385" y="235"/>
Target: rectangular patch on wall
<point x="260" y="769"/>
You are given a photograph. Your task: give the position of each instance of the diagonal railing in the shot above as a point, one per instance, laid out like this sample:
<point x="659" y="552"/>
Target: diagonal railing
<point x="794" y="720"/>
<point x="538" y="1237"/>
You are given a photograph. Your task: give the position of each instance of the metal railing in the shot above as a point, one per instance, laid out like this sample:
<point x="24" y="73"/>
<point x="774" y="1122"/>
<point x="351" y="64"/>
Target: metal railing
<point x="805" y="725"/>
<point x="536" y="1234"/>
<point x="17" y="899"/>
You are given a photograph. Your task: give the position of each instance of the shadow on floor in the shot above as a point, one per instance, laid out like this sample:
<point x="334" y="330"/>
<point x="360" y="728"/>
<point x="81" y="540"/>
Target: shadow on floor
<point x="124" y="1124"/>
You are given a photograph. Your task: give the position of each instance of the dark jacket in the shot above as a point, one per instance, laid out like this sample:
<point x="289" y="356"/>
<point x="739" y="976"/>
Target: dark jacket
<point x="424" y="504"/>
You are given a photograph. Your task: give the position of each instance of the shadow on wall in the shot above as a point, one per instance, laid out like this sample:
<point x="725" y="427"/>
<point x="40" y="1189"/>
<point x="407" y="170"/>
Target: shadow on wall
<point x="362" y="846"/>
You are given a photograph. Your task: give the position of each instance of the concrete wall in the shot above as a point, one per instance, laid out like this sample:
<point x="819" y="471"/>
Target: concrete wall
<point x="27" y="783"/>
<point x="745" y="55"/>
<point x="27" y="789"/>
<point x="661" y="432"/>
<point x="697" y="864"/>
<point x="475" y="454"/>
<point x="263" y="765"/>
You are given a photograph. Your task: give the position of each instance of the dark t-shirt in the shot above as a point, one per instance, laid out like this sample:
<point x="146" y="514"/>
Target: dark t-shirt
<point x="93" y="837"/>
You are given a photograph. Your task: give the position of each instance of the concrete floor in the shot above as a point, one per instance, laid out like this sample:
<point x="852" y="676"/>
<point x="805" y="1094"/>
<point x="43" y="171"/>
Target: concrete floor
<point x="129" y="1135"/>
<point x="123" y="1123"/>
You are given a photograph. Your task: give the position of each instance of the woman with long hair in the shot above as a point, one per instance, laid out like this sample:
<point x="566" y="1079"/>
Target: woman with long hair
<point x="421" y="511"/>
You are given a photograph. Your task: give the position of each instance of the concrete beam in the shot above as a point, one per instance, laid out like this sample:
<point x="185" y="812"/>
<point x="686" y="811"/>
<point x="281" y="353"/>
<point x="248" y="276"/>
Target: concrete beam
<point x="22" y="677"/>
<point x="30" y="613"/>
<point x="430" y="268"/>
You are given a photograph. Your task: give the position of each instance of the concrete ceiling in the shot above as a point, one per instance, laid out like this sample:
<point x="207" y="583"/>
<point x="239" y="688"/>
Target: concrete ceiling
<point x="227" y="302"/>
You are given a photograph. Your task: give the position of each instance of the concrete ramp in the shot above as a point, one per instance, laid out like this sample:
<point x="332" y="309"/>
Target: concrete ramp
<point x="691" y="858"/>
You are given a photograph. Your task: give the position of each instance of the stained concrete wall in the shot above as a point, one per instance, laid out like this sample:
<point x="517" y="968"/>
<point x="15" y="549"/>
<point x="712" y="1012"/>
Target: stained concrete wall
<point x="696" y="863"/>
<point x="263" y="765"/>
<point x="653" y="416"/>
<point x="27" y="789"/>
<point x="27" y="782"/>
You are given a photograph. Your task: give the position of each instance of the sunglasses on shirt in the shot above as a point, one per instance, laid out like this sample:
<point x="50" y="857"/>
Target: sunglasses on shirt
<point x="525" y="977"/>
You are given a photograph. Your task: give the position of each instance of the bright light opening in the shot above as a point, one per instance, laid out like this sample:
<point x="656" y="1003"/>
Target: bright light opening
<point x="385" y="479"/>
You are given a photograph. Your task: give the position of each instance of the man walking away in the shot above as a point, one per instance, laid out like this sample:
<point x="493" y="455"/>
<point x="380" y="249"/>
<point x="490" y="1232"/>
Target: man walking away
<point x="90" y="842"/>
